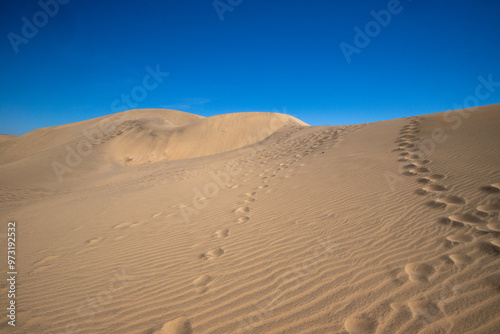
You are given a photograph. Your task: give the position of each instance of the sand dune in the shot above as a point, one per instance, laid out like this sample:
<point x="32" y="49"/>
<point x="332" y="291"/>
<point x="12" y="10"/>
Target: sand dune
<point x="257" y="223"/>
<point x="150" y="141"/>
<point x="131" y="138"/>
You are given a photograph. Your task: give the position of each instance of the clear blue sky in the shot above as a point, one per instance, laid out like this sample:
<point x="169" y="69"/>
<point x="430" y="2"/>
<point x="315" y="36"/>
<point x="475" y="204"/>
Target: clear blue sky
<point x="263" y="55"/>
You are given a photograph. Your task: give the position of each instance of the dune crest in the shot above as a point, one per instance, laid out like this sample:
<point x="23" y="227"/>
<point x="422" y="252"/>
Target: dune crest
<point x="133" y="137"/>
<point x="151" y="140"/>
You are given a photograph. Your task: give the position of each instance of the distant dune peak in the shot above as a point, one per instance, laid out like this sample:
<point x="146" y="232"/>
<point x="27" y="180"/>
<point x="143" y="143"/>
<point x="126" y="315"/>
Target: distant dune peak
<point x="147" y="140"/>
<point x="139" y="136"/>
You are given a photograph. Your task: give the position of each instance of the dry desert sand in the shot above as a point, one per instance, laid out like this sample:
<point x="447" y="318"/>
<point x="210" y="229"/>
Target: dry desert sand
<point x="159" y="221"/>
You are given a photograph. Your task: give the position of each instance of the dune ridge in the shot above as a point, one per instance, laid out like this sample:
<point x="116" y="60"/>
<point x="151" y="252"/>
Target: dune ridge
<point x="132" y="137"/>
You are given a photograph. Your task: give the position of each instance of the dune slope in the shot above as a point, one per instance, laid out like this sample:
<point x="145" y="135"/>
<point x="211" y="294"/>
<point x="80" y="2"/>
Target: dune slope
<point x="386" y="227"/>
<point x="132" y="137"/>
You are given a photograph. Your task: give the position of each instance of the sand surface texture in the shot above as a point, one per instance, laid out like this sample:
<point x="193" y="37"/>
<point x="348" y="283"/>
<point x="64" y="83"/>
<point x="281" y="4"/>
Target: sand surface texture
<point x="159" y="221"/>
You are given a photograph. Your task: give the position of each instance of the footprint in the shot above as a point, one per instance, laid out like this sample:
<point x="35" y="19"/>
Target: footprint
<point x="491" y="189"/>
<point x="495" y="242"/>
<point x="242" y="220"/>
<point x="410" y="166"/>
<point x="436" y="177"/>
<point x="423" y="308"/>
<point x="495" y="207"/>
<point x="421" y="192"/>
<point x="419" y="272"/>
<point x="436" y="205"/>
<point x="423" y="180"/>
<point x="494" y="227"/>
<point x="222" y="233"/>
<point x="177" y="326"/>
<point x="482" y="228"/>
<point x="467" y="219"/>
<point x="453" y="200"/>
<point x="212" y="254"/>
<point x="435" y="188"/>
<point x="397" y="276"/>
<point x="422" y="170"/>
<point x="460" y="260"/>
<point x="122" y="225"/>
<point x="459" y="238"/>
<point x="481" y="214"/>
<point x="201" y="282"/>
<point x="243" y="209"/>
<point x="358" y="325"/>
<point x="453" y="223"/>
<point x="94" y="241"/>
<point x="444" y="220"/>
